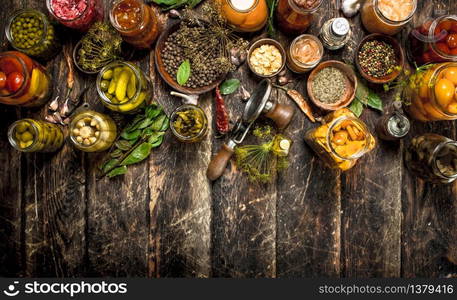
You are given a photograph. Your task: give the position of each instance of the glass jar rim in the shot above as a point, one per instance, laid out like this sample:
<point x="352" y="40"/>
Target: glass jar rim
<point x="304" y="10"/>
<point x="431" y="34"/>
<point x="79" y="16"/>
<point x="435" y="162"/>
<point x="115" y="24"/>
<point x="194" y="107"/>
<point x="254" y="5"/>
<point x="81" y="115"/>
<point x="390" y="21"/>
<point x="15" y="14"/>
<point x="311" y="64"/>
<point x="433" y="81"/>
<point x="11" y="131"/>
<point x="25" y="72"/>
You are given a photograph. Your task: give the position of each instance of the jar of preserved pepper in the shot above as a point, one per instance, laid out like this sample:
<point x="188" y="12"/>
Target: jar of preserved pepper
<point x="341" y="140"/>
<point x="76" y="14"/>
<point x="123" y="87"/>
<point x="91" y="131"/>
<point x="28" y="135"/>
<point x="29" y="31"/>
<point x="295" y="16"/>
<point x="23" y="81"/>
<point x="245" y="15"/>
<point x="432" y="93"/>
<point x="434" y="41"/>
<point x="433" y="158"/>
<point x="387" y="16"/>
<point x="136" y="22"/>
<point x="189" y="123"/>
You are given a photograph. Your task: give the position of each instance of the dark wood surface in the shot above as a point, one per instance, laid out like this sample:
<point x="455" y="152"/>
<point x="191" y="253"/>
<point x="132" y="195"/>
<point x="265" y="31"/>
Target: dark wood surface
<point x="164" y="219"/>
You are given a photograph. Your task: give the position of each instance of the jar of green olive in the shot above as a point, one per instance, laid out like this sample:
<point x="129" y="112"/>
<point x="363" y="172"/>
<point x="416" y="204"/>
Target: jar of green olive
<point x="189" y="123"/>
<point x="91" y="131"/>
<point x="29" y="31"/>
<point x="123" y="87"/>
<point x="28" y="135"/>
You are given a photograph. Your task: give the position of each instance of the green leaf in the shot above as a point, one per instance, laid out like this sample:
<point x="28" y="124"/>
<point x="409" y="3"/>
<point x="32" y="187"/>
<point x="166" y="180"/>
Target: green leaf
<point x="123" y="145"/>
<point x="116" y="153"/>
<point x="110" y="164"/>
<point x="138" y="154"/>
<point x="153" y="111"/>
<point x="145" y="123"/>
<point x="118" y="171"/>
<point x="374" y="101"/>
<point x="165" y="125"/>
<point x="158" y="123"/>
<point x="158" y="142"/>
<point x="356" y="107"/>
<point x="131" y="135"/>
<point x="229" y="86"/>
<point x="183" y="72"/>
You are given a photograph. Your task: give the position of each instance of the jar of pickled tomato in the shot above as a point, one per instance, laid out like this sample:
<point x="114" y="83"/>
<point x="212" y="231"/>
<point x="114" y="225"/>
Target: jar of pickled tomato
<point x="76" y="14"/>
<point x="434" y="41"/>
<point x="387" y="16"/>
<point x="295" y="16"/>
<point x="136" y="22"/>
<point x="432" y="93"/>
<point x="28" y="135"/>
<point x="342" y="140"/>
<point x="433" y="158"/>
<point x="245" y="15"/>
<point x="23" y="81"/>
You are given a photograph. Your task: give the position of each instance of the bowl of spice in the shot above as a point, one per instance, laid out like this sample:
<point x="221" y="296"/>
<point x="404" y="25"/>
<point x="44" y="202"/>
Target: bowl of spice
<point x="266" y="58"/>
<point x="332" y="85"/>
<point x="379" y="58"/>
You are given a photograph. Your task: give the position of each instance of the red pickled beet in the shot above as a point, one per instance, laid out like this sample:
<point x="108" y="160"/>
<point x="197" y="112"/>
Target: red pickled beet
<point x="451" y="40"/>
<point x="14" y="81"/>
<point x="2" y="80"/>
<point x="68" y="9"/>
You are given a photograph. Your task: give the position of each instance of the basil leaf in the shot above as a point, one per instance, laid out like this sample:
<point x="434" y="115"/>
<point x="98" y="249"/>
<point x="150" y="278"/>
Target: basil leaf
<point x="183" y="72"/>
<point x="374" y="101"/>
<point x="116" y="172"/>
<point x="356" y="107"/>
<point x="123" y="145"/>
<point x="131" y="135"/>
<point x="139" y="154"/>
<point x="110" y="164"/>
<point x="229" y="86"/>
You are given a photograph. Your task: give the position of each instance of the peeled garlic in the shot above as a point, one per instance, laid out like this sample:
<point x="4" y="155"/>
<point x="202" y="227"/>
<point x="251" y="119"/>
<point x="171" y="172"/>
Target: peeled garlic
<point x="350" y="7"/>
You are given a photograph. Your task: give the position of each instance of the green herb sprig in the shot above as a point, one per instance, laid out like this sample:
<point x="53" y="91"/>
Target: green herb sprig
<point x="270" y="25"/>
<point x="174" y="4"/>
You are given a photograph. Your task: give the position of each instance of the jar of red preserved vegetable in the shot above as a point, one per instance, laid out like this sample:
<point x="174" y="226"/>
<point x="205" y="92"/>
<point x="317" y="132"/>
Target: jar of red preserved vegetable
<point x="76" y="14"/>
<point x="135" y="21"/>
<point x="434" y="41"/>
<point x="295" y="16"/>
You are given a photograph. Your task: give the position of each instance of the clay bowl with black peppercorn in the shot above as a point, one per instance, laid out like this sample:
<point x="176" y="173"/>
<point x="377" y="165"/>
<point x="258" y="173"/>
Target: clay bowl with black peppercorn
<point x="349" y="85"/>
<point x="399" y="59"/>
<point x="170" y="79"/>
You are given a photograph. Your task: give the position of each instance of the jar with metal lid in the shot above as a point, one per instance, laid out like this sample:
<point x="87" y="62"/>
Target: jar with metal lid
<point x="335" y="33"/>
<point x="431" y="91"/>
<point x="76" y="14"/>
<point x="91" y="131"/>
<point x="394" y="125"/>
<point x="342" y="140"/>
<point x="29" y="31"/>
<point x="295" y="16"/>
<point x="123" y="87"/>
<point x="23" y="81"/>
<point x="245" y="15"/>
<point x="433" y="158"/>
<point x="189" y="123"/>
<point x="28" y="135"/>
<point x="304" y="53"/>
<point x="387" y="16"/>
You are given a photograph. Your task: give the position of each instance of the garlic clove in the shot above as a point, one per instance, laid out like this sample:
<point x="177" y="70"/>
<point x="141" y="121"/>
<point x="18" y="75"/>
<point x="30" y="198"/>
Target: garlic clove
<point x="92" y="139"/>
<point x="54" y="105"/>
<point x="76" y="131"/>
<point x="97" y="133"/>
<point x="93" y="123"/>
<point x="79" y="139"/>
<point x="86" y="142"/>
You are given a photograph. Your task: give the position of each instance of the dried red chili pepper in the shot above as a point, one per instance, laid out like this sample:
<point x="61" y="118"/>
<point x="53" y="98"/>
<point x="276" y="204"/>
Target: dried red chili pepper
<point x="222" y="118"/>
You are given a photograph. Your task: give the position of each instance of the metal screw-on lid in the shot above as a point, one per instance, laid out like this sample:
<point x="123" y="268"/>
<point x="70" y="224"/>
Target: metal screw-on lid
<point x="340" y="26"/>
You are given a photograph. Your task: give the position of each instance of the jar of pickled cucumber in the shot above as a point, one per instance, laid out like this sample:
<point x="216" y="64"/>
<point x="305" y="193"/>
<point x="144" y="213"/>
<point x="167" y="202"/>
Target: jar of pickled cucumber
<point x="123" y="87"/>
<point x="432" y="93"/>
<point x="189" y="123"/>
<point x="28" y="135"/>
<point x="29" y="31"/>
<point x="91" y="131"/>
<point x="23" y="81"/>
<point x="341" y="140"/>
<point x="433" y="158"/>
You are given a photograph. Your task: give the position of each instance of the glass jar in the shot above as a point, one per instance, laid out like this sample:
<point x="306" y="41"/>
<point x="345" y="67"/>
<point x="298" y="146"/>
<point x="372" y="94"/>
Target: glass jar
<point x="123" y="87"/>
<point x="23" y="81"/>
<point x="76" y="14"/>
<point x="335" y="33"/>
<point x="304" y="53"/>
<point x="29" y="31"/>
<point x="387" y="16"/>
<point x="245" y="15"/>
<point x="135" y="21"/>
<point x="28" y="135"/>
<point x="91" y="131"/>
<point x="341" y="140"/>
<point x="434" y="41"/>
<point x="295" y="16"/>
<point x="433" y="158"/>
<point x="189" y="123"/>
<point x="431" y="91"/>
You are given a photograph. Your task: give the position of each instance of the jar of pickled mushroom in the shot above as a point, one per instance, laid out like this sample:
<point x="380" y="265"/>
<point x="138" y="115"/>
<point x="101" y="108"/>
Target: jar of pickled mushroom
<point x="29" y="31"/>
<point x="28" y="135"/>
<point x="189" y="123"/>
<point x="432" y="93"/>
<point x="91" y="131"/>
<point x="304" y="53"/>
<point x="387" y="16"/>
<point x="342" y="140"/>
<point x="76" y="14"/>
<point x="123" y="87"/>
<point x="434" y="41"/>
<point x="136" y="22"/>
<point x="245" y="15"/>
<point x="295" y="16"/>
<point x="23" y="81"/>
<point x="433" y="158"/>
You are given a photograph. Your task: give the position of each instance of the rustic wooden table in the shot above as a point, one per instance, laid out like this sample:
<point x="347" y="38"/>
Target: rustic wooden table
<point x="164" y="219"/>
